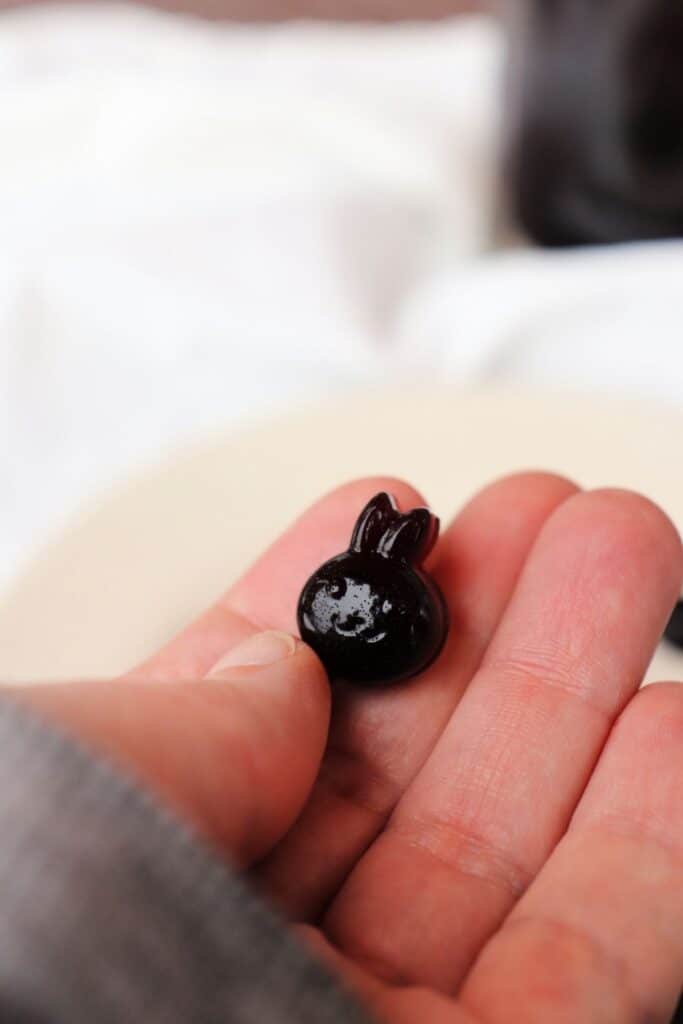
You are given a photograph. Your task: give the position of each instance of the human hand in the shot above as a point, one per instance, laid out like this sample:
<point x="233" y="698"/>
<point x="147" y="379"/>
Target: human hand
<point x="501" y="838"/>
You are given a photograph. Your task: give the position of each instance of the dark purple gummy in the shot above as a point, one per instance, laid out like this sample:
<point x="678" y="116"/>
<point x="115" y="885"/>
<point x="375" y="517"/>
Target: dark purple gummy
<point x="674" y="630"/>
<point x="371" y="614"/>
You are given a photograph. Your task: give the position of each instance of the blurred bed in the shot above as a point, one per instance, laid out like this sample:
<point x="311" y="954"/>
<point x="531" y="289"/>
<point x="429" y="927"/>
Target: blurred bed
<point x="329" y="10"/>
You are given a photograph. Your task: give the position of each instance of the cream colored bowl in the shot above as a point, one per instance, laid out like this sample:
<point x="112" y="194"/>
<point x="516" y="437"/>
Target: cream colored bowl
<point x="145" y="559"/>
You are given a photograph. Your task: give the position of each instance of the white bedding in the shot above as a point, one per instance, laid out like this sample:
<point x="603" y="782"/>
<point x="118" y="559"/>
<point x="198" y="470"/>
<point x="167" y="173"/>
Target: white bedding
<point x="203" y="224"/>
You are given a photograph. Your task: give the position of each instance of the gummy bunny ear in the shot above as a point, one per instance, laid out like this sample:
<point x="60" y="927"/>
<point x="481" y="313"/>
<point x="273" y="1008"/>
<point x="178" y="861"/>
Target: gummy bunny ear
<point x="373" y="523"/>
<point x="411" y="537"/>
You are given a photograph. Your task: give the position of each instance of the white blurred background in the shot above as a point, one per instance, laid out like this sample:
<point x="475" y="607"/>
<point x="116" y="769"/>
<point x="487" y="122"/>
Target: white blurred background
<point x="203" y="223"/>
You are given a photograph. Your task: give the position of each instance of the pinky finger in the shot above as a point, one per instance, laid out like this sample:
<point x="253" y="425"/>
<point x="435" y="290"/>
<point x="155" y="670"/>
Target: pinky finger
<point x="598" y="938"/>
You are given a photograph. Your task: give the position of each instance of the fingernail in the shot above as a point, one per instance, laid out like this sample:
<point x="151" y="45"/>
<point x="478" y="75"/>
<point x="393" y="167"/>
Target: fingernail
<point x="259" y="649"/>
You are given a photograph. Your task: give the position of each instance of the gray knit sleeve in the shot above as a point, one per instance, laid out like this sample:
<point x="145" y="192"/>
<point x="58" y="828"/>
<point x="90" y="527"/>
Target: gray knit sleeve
<point x="111" y="910"/>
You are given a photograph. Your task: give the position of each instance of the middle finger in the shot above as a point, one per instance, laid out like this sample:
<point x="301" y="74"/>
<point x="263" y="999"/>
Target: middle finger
<point x="500" y="786"/>
<point x="380" y="739"/>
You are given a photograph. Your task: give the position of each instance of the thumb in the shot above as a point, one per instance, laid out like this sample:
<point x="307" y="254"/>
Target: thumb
<point x="237" y="753"/>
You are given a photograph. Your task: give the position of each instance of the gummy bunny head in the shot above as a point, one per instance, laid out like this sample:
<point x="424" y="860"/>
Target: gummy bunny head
<point x="371" y="614"/>
<point x="381" y="529"/>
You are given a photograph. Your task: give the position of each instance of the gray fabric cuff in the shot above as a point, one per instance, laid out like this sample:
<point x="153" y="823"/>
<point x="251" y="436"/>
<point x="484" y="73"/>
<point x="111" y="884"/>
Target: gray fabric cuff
<point x="114" y="911"/>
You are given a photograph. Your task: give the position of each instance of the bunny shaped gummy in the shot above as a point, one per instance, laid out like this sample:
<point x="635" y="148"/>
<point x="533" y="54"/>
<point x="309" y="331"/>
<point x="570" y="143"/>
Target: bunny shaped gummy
<point x="371" y="614"/>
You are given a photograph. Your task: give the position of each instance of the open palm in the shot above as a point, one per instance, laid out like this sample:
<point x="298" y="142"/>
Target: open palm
<point x="501" y="838"/>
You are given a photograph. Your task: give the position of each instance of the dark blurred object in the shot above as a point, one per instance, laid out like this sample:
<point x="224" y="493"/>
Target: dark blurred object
<point x="595" y="143"/>
<point x="678" y="1015"/>
<point x="674" y="634"/>
<point x="282" y="10"/>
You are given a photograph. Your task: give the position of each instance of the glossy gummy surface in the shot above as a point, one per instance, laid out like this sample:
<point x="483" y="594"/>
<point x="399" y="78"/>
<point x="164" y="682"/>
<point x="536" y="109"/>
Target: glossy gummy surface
<point x="674" y="630"/>
<point x="371" y="614"/>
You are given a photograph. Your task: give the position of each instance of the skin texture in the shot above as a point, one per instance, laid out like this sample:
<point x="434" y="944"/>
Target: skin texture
<point x="505" y="830"/>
